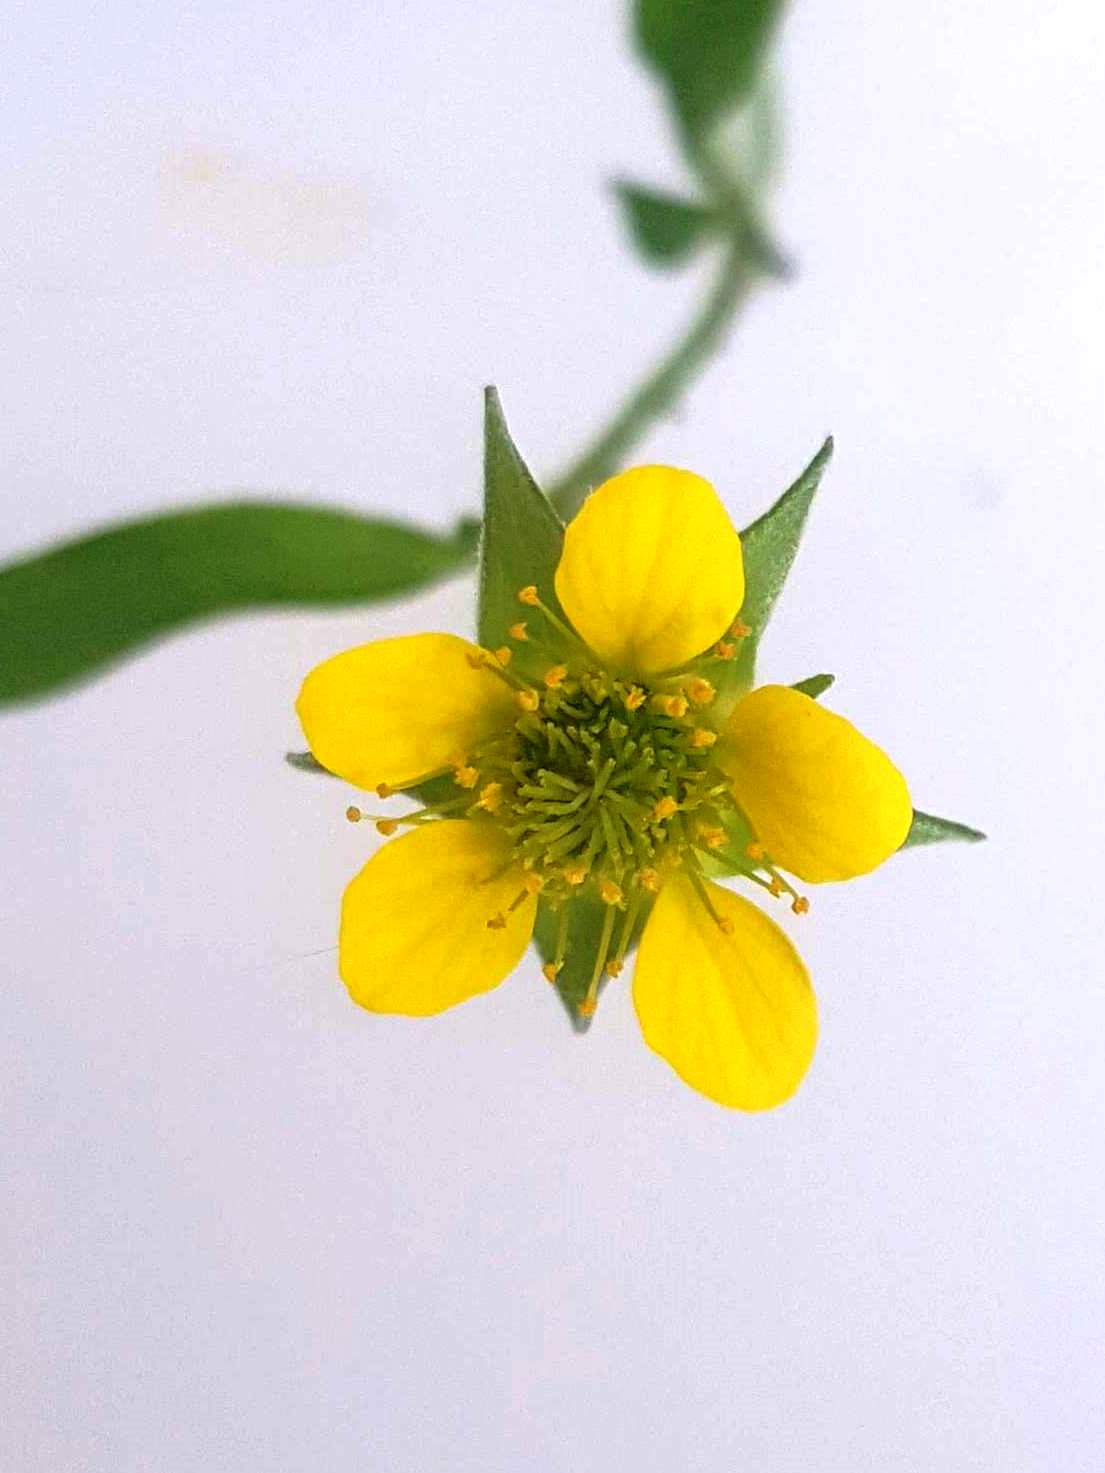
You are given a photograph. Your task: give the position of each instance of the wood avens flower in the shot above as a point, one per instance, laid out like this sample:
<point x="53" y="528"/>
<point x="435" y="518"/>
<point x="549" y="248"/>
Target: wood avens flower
<point x="609" y="766"/>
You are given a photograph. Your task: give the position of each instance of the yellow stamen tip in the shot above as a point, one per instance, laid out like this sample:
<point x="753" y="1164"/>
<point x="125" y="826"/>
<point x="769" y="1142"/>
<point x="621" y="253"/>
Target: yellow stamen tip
<point x="756" y="851"/>
<point x="711" y="835"/>
<point x="534" y="884"/>
<point x="700" y="737"/>
<point x="477" y="659"/>
<point x="503" y="655"/>
<point x="528" y="595"/>
<point x="556" y="676"/>
<point x="724" y="650"/>
<point x="384" y="790"/>
<point x="528" y="700"/>
<point x="726" y="924"/>
<point x="740" y="630"/>
<point x="354" y="815"/>
<point x="649" y="879"/>
<point x="588" y="1007"/>
<point x="575" y="874"/>
<point x="497" y="922"/>
<point x="491" y="797"/>
<point x="776" y="886"/>
<point x="800" y="905"/>
<point x="550" y="970"/>
<point x="614" y="968"/>
<point x="635" y="699"/>
<point x="665" y="808"/>
<point x="466" y="777"/>
<point x="386" y="826"/>
<point x="518" y="631"/>
<point x="700" y="691"/>
<point x="610" y="894"/>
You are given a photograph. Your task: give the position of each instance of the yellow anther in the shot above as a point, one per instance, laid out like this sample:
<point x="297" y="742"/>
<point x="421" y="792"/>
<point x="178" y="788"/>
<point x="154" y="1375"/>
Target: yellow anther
<point x="528" y="700"/>
<point x="614" y="967"/>
<point x="724" y="650"/>
<point x="711" y="836"/>
<point x="665" y="807"/>
<point x="555" y="676"/>
<point x="800" y="905"/>
<point x="576" y="873"/>
<point x="700" y="691"/>
<point x="756" y="850"/>
<point x="491" y="797"/>
<point x="497" y="922"/>
<point x="776" y="887"/>
<point x="649" y="879"/>
<point x="550" y="970"/>
<point x="384" y="790"/>
<point x="477" y="659"/>
<point x="466" y="776"/>
<point x="588" y="1007"/>
<point x="503" y="655"/>
<point x="700" y="737"/>
<point x="354" y="815"/>
<point x="518" y="631"/>
<point x="610" y="894"/>
<point x="672" y="705"/>
<point x="726" y="925"/>
<point x="739" y="630"/>
<point x="534" y="884"/>
<point x="528" y="595"/>
<point x="635" y="698"/>
<point x="386" y="826"/>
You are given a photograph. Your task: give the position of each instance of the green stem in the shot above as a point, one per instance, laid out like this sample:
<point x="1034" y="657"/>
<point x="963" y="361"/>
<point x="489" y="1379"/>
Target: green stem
<point x="661" y="388"/>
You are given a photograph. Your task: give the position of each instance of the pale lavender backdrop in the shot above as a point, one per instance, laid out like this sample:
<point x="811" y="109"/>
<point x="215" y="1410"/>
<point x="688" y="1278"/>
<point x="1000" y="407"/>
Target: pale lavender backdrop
<point x="248" y="1227"/>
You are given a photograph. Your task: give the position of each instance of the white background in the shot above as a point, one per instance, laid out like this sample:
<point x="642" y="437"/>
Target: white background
<point x="249" y="1227"/>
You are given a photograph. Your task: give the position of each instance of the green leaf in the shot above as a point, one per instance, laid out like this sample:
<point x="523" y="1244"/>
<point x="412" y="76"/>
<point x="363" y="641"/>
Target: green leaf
<point x="665" y="228"/>
<point x="814" y="685"/>
<point x="68" y="612"/>
<point x="522" y="539"/>
<point x="769" y="545"/>
<point x="928" y="829"/>
<point x="708" y="53"/>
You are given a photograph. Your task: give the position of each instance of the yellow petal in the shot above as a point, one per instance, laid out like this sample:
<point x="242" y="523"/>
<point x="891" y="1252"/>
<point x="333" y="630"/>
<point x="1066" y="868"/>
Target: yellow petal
<point x="651" y="573"/>
<point x="394" y="711"/>
<point x="414" y="932"/>
<point x="733" y="1013"/>
<point x="825" y="802"/>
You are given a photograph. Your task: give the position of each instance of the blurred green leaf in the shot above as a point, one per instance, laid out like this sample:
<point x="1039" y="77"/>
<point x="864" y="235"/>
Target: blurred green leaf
<point x="665" y="228"/>
<point x="68" y="612"/>
<point x="522" y="538"/>
<point x="769" y="544"/>
<point x="708" y="53"/>
<point x="928" y="829"/>
<point x="814" y="685"/>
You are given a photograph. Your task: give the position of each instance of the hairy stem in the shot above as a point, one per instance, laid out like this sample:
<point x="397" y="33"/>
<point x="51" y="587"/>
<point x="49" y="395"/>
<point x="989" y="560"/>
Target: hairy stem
<point x="662" y="387"/>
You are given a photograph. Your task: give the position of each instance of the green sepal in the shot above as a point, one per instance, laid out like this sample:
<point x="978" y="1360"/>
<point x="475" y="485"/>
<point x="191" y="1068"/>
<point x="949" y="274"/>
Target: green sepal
<point x="665" y="228"/>
<point x="769" y="545"/>
<point x="70" y="611"/>
<point x="521" y="545"/>
<point x="307" y="762"/>
<point x="586" y="915"/>
<point x="926" y="828"/>
<point x="814" y="685"/>
<point x="708" y="53"/>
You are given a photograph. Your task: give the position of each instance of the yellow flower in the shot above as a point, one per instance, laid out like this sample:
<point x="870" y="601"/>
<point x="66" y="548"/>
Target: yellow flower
<point x="612" y="777"/>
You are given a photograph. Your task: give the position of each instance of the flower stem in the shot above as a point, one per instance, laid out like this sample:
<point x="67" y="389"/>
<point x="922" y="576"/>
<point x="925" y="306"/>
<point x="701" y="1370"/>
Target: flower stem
<point x="661" y="388"/>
